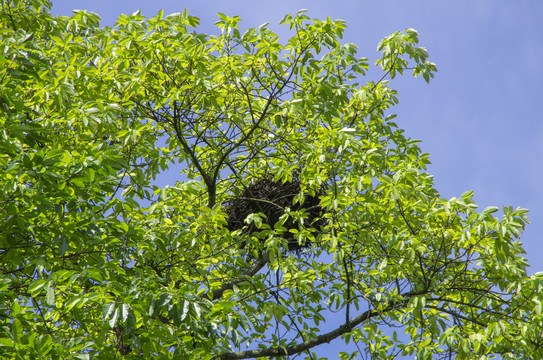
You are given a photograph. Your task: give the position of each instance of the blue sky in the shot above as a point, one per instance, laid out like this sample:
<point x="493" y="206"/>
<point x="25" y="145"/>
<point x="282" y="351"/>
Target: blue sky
<point x="480" y="118"/>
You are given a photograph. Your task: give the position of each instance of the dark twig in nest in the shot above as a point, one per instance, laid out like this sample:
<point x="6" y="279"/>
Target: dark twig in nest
<point x="271" y="198"/>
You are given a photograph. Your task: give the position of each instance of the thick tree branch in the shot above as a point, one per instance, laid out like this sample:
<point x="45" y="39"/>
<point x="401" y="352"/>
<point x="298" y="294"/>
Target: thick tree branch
<point x="211" y="186"/>
<point x="308" y="344"/>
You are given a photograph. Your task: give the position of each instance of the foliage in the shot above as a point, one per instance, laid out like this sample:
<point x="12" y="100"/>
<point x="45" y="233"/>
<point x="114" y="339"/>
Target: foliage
<point x="96" y="261"/>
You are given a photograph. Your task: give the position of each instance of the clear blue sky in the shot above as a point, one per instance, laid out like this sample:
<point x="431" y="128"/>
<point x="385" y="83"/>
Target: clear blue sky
<point x="480" y="118"/>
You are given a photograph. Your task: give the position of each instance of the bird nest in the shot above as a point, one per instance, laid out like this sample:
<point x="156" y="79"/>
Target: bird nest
<point x="271" y="198"/>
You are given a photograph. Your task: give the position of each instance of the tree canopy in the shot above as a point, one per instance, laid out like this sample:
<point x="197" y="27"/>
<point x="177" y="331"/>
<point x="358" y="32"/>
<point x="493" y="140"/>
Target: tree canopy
<point x="302" y="214"/>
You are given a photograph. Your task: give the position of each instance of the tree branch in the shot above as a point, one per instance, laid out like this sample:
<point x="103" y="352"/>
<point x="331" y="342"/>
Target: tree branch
<point x="457" y="315"/>
<point x="308" y="344"/>
<point x="259" y="264"/>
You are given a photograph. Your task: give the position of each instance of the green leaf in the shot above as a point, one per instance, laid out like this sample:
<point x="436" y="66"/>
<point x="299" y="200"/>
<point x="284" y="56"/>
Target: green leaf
<point x="490" y="210"/>
<point x="383" y="265"/>
<point x="125" y="311"/>
<point x="164" y="300"/>
<point x="467" y="195"/>
<point x="16" y="330"/>
<point x="50" y="294"/>
<point x="107" y="310"/>
<point x="6" y="342"/>
<point x="63" y="247"/>
<point x="114" y="317"/>
<point x="72" y="302"/>
<point x="15" y="309"/>
<point x="185" y="310"/>
<point x="36" y="286"/>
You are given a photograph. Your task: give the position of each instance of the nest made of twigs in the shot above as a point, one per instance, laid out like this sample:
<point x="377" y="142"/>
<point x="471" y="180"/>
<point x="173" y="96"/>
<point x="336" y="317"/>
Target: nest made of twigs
<point x="271" y="198"/>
